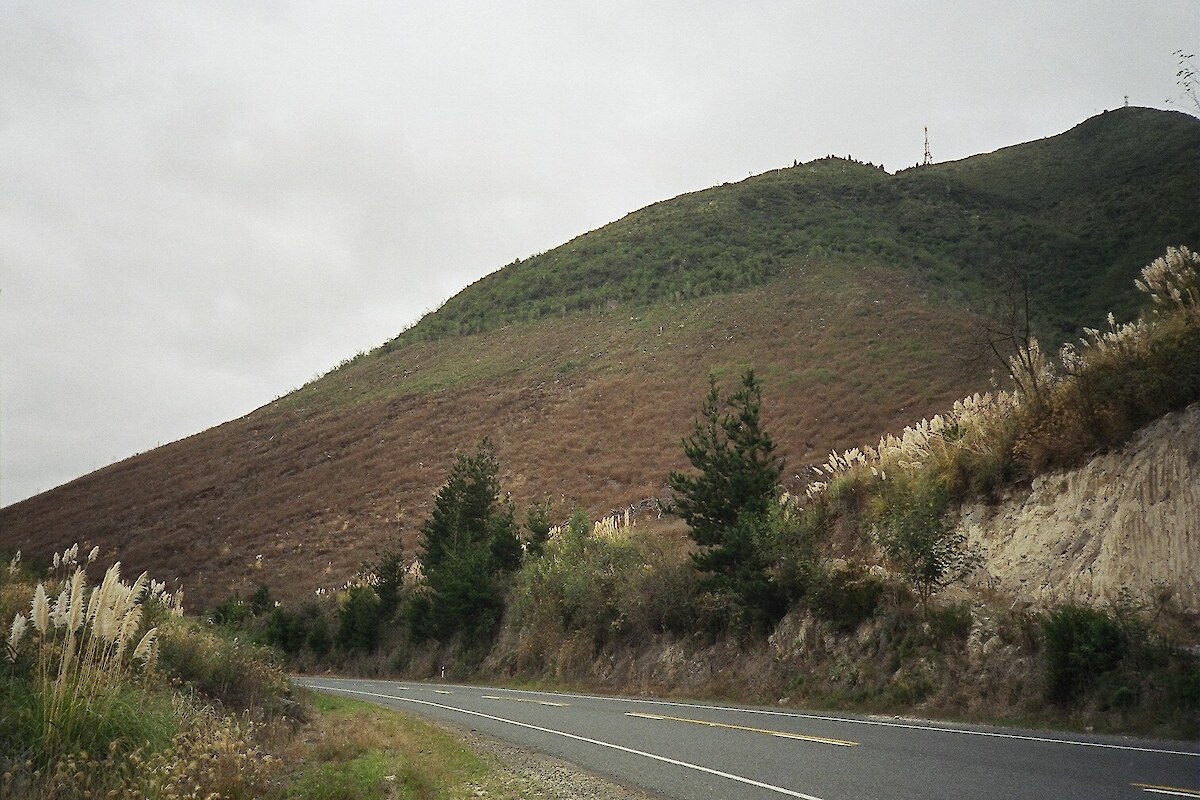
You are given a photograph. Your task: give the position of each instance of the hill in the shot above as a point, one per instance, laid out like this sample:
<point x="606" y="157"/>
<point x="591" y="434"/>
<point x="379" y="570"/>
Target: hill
<point x="859" y="296"/>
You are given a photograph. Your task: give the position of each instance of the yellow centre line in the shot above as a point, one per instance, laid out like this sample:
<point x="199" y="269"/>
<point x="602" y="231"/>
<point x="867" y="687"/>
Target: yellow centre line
<point x="525" y="700"/>
<point x="1174" y="791"/>
<point x="782" y="734"/>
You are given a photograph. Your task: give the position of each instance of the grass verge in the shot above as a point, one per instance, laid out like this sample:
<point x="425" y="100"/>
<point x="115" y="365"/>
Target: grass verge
<point x="353" y="750"/>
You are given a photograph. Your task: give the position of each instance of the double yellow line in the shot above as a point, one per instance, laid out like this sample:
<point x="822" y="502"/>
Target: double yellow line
<point x="781" y="734"/>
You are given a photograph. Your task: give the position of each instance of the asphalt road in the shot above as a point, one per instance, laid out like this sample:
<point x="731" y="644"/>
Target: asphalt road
<point x="696" y="751"/>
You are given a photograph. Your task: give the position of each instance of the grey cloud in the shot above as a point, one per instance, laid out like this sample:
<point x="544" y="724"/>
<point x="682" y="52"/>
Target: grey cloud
<point x="206" y="204"/>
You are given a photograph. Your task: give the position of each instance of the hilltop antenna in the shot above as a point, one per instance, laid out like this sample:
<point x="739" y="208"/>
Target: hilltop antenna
<point x="928" y="158"/>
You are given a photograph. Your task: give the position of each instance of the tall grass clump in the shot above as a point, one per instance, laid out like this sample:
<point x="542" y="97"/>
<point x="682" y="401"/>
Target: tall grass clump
<point x="79" y="649"/>
<point x="85" y="708"/>
<point x="1110" y="383"/>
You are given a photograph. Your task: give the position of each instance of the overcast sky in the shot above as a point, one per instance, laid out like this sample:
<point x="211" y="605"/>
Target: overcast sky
<point x="203" y="205"/>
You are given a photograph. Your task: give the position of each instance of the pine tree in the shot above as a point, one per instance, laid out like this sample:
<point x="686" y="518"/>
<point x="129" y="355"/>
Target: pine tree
<point x="727" y="504"/>
<point x="468" y="543"/>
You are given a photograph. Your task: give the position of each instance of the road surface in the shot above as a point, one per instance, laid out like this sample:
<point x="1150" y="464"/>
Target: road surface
<point x="698" y="751"/>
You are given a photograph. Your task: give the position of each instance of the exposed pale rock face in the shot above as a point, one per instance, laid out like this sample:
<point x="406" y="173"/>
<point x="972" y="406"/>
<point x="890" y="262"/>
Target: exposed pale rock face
<point x="1128" y="519"/>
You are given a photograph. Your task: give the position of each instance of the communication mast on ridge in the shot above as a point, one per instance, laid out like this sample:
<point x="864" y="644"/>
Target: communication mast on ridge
<point x="928" y="158"/>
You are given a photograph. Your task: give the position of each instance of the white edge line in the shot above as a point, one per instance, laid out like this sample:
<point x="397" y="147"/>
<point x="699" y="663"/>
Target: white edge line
<point x="621" y="748"/>
<point x="877" y="722"/>
<point x="1170" y="792"/>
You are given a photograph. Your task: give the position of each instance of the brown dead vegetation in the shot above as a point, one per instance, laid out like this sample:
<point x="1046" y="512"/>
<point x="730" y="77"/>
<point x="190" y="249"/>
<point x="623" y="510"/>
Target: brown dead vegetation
<point x="587" y="409"/>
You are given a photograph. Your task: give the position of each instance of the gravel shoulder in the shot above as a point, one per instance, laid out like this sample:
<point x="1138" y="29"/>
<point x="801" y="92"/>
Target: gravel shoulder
<point x="535" y="775"/>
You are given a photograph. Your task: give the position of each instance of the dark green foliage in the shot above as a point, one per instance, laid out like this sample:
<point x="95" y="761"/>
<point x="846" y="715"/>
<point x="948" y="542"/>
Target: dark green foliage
<point x="1080" y="645"/>
<point x="469" y="542"/>
<point x="537" y="527"/>
<point x="291" y="631"/>
<point x="389" y="582"/>
<point x="792" y="549"/>
<point x="727" y="504"/>
<point x="231" y="612"/>
<point x="1116" y="659"/>
<point x="738" y="569"/>
<point x="463" y="596"/>
<point x="845" y="597"/>
<point x="358" y="620"/>
<point x="282" y="632"/>
<point x="318" y="640"/>
<point x="950" y="622"/>
<point x="738" y="469"/>
<point x="260" y="602"/>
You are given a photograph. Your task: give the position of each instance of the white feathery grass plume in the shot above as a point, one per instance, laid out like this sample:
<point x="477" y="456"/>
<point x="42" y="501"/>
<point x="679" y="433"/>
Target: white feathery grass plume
<point x="1173" y="279"/>
<point x="75" y="618"/>
<point x="16" y="633"/>
<point x="61" y="606"/>
<point x="146" y="646"/>
<point x="94" y="554"/>
<point x="100" y="606"/>
<point x="134" y="595"/>
<point x="130" y="622"/>
<point x="57" y="560"/>
<point x="15" y="564"/>
<point x="93" y="603"/>
<point x="39" y="611"/>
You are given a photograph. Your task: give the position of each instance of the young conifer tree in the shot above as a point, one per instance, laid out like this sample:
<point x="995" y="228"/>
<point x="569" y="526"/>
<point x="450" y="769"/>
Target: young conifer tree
<point x="727" y="503"/>
<point x="468" y="542"/>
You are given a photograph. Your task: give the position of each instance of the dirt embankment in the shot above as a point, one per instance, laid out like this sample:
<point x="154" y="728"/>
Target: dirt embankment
<point x="1127" y="519"/>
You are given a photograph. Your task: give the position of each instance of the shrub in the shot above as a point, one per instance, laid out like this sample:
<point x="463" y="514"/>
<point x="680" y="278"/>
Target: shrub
<point x="220" y="666"/>
<point x="1080" y="644"/>
<point x="292" y="631"/>
<point x="916" y="536"/>
<point x="233" y="612"/>
<point x="950" y="622"/>
<point x="596" y="584"/>
<point x="845" y="597"/>
<point x="78" y="653"/>
<point x="537" y="527"/>
<point x="86" y="709"/>
<point x="574" y="586"/>
<point x="318" y="640"/>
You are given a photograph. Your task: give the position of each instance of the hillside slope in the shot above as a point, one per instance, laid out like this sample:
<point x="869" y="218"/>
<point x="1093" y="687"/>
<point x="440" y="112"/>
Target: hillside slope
<point x="848" y="289"/>
<point x="1077" y="213"/>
